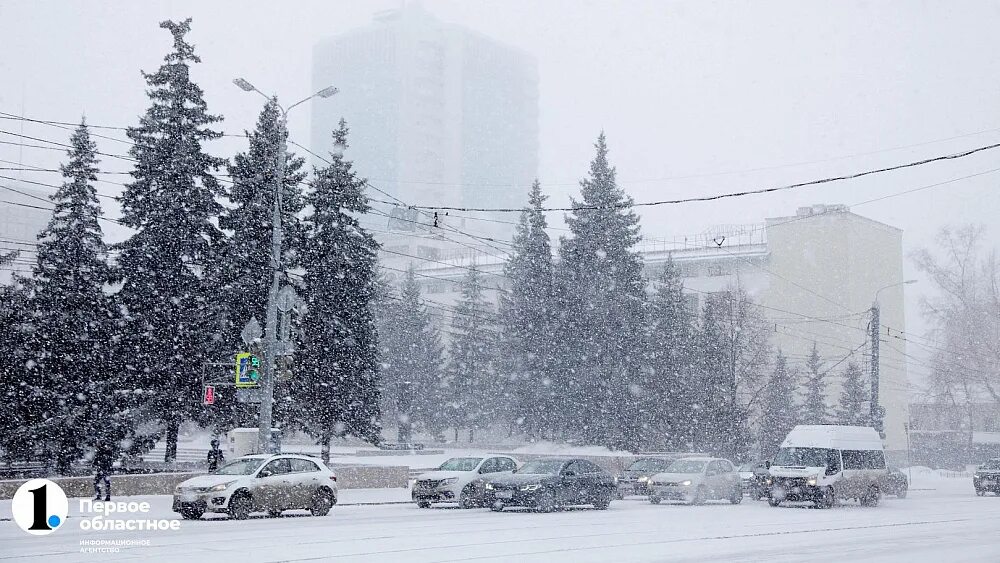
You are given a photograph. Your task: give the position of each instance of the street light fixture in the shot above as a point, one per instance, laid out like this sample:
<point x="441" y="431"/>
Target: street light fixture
<point x="876" y="411"/>
<point x="271" y="324"/>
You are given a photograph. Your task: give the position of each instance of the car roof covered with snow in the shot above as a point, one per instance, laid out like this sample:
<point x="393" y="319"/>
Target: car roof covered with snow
<point x="833" y="436"/>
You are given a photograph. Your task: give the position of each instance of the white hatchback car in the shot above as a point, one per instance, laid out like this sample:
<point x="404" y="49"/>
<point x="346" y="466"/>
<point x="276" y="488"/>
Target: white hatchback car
<point x="259" y="483"/>
<point x="458" y="480"/>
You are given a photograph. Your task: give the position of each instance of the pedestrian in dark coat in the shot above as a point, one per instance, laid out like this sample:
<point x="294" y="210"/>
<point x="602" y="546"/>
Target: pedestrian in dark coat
<point x="215" y="457"/>
<point x="104" y="458"/>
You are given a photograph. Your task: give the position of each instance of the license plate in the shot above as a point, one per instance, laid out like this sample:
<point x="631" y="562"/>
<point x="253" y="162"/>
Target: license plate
<point x="188" y="498"/>
<point x="505" y="494"/>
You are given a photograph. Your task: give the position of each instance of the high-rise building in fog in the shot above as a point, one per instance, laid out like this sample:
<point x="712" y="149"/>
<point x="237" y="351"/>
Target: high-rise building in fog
<point x="438" y="114"/>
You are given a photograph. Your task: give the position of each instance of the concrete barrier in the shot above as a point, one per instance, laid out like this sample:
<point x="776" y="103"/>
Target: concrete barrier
<point x="348" y="477"/>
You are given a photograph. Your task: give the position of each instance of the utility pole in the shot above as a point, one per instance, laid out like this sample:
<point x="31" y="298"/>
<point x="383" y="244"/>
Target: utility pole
<point x="271" y="321"/>
<point x="876" y="415"/>
<point x="877" y="412"/>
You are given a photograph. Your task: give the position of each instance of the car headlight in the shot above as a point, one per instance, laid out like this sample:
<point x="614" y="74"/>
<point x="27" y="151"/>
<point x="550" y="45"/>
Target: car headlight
<point x="686" y="483"/>
<point x="489" y="486"/>
<point x="450" y="481"/>
<point x="220" y="487"/>
<point x="531" y="487"/>
<point x="643" y="479"/>
<point x="812" y="479"/>
<point x="768" y="481"/>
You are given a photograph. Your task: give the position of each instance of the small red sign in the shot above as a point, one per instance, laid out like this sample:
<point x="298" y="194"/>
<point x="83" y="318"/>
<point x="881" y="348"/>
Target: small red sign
<point x="209" y="394"/>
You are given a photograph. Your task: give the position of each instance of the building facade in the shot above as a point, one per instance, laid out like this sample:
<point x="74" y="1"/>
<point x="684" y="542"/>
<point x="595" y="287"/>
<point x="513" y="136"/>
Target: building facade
<point x="439" y="114"/>
<point x="814" y="275"/>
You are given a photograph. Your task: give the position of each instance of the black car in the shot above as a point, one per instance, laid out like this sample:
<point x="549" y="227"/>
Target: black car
<point x="754" y="477"/>
<point x="635" y="479"/>
<point x="895" y="483"/>
<point x="987" y="478"/>
<point x="548" y="484"/>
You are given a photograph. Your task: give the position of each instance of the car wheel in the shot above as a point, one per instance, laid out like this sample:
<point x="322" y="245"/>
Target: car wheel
<point x="980" y="493"/>
<point x="192" y="514"/>
<point x="654" y="500"/>
<point x="773" y="501"/>
<point x="240" y="506"/>
<point x="828" y="499"/>
<point x="274" y="513"/>
<point x="737" y="496"/>
<point x="465" y="498"/>
<point x="870" y="498"/>
<point x="699" y="496"/>
<point x="603" y="501"/>
<point x="545" y="501"/>
<point x="901" y="494"/>
<point x="619" y="494"/>
<point x="423" y="504"/>
<point x="322" y="502"/>
<point x="497" y="506"/>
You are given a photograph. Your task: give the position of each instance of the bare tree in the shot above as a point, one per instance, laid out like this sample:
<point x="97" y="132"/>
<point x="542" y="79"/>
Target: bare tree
<point x="965" y="314"/>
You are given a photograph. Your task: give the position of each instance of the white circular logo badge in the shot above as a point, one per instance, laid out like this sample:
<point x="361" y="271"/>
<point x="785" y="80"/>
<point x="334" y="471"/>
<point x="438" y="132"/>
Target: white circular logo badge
<point x="39" y="507"/>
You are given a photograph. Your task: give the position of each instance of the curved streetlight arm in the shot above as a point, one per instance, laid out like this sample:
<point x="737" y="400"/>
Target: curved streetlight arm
<point x="907" y="282"/>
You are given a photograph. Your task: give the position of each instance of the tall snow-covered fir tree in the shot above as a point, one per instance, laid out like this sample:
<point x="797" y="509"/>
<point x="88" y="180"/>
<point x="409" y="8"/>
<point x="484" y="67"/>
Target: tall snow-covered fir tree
<point x="600" y="292"/>
<point x="778" y="412"/>
<point x="72" y="319"/>
<point x="412" y="358"/>
<point x="814" y="408"/>
<point x="244" y="269"/>
<point x="526" y="318"/>
<point x="337" y="386"/>
<point x="852" y="409"/>
<point x="669" y="388"/>
<point x="171" y="203"/>
<point x="711" y="389"/>
<point x="475" y="393"/>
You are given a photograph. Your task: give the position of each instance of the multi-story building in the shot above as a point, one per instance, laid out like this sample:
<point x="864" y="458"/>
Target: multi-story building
<point x="438" y="114"/>
<point x="814" y="275"/>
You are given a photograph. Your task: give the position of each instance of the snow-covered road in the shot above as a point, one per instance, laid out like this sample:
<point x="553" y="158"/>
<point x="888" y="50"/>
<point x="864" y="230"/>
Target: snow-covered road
<point x="948" y="523"/>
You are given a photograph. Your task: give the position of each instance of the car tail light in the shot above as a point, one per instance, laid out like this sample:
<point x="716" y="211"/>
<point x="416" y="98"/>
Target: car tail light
<point x="333" y="477"/>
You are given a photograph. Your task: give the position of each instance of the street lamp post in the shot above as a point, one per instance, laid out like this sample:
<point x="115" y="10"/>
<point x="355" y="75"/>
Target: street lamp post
<point x="271" y="322"/>
<point x="876" y="411"/>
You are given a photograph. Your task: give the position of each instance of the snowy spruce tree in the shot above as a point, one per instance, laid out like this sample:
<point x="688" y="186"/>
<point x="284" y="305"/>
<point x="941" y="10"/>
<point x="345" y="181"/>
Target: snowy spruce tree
<point x="526" y="318"/>
<point x="670" y="341"/>
<point x="412" y="358"/>
<point x="70" y="359"/>
<point x="172" y="204"/>
<point x="712" y="388"/>
<point x="814" y="408"/>
<point x="244" y="270"/>
<point x="778" y="412"/>
<point x="337" y="386"/>
<point x="476" y="395"/>
<point x="600" y="292"/>
<point x="852" y="409"/>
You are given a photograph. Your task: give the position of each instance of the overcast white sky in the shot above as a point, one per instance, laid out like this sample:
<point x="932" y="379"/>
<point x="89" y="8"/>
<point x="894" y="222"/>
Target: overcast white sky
<point x="696" y="97"/>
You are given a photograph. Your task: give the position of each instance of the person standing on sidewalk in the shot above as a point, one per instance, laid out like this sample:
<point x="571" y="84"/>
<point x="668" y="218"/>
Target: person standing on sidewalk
<point x="103" y="461"/>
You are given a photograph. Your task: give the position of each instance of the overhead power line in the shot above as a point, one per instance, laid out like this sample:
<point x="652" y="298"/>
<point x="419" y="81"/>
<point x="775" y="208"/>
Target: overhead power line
<point x="715" y="197"/>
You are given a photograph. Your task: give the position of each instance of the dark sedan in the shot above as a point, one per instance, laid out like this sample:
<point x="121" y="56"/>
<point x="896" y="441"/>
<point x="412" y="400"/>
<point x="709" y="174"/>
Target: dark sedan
<point x="635" y="479"/>
<point x="895" y="483"/>
<point x="987" y="478"/>
<point x="548" y="484"/>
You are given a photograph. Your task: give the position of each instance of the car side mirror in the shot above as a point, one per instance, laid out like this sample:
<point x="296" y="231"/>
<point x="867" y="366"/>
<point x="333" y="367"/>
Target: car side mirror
<point x="832" y="470"/>
<point x="264" y="473"/>
<point x="569" y="473"/>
